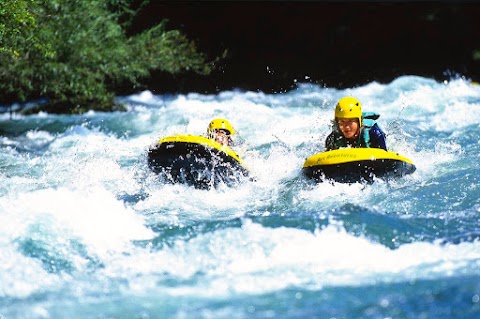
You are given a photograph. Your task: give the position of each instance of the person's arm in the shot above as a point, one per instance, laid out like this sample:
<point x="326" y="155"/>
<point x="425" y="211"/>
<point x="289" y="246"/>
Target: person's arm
<point x="377" y="138"/>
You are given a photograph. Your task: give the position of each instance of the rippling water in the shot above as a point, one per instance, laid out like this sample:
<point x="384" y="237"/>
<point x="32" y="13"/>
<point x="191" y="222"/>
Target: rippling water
<point x="88" y="231"/>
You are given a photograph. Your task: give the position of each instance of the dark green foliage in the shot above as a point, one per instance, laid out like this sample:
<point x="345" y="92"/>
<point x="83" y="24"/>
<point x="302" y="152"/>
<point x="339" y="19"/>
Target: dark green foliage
<point x="476" y="55"/>
<point x="76" y="52"/>
<point x="17" y="27"/>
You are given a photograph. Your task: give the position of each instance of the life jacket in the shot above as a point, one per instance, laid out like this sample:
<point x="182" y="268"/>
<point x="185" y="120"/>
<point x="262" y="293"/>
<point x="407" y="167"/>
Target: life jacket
<point x="363" y="139"/>
<point x="369" y="119"/>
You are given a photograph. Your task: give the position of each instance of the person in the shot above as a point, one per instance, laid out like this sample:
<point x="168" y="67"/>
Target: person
<point x="353" y="128"/>
<point x="221" y="131"/>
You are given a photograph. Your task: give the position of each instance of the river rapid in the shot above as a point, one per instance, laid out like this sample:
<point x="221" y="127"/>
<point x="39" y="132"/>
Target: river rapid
<point x="89" y="231"/>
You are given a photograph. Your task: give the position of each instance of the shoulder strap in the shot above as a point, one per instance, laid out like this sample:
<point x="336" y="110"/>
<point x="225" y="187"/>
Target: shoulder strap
<point x="366" y="136"/>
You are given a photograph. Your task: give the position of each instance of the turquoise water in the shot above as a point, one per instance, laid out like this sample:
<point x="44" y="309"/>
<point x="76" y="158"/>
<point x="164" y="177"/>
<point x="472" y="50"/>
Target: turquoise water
<point x="88" y="231"/>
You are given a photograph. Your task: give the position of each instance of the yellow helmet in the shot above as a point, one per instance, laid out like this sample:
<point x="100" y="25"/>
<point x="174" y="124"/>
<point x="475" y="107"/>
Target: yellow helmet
<point x="220" y="124"/>
<point x="349" y="107"/>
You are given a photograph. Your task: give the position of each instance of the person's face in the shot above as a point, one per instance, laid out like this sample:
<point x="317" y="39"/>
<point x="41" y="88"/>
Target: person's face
<point x="221" y="137"/>
<point x="349" y="127"/>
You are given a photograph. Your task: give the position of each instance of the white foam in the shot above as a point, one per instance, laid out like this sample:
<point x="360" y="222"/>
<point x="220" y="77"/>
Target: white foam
<point x="94" y="217"/>
<point x="257" y="260"/>
<point x="68" y="192"/>
<point x="21" y="276"/>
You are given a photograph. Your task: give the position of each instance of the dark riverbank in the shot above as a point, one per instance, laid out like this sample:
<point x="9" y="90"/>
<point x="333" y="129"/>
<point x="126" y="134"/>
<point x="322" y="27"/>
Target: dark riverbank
<point x="273" y="44"/>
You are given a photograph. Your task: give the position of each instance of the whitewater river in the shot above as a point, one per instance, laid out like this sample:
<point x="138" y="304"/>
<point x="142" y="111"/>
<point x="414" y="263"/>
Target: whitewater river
<point x="88" y="231"/>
